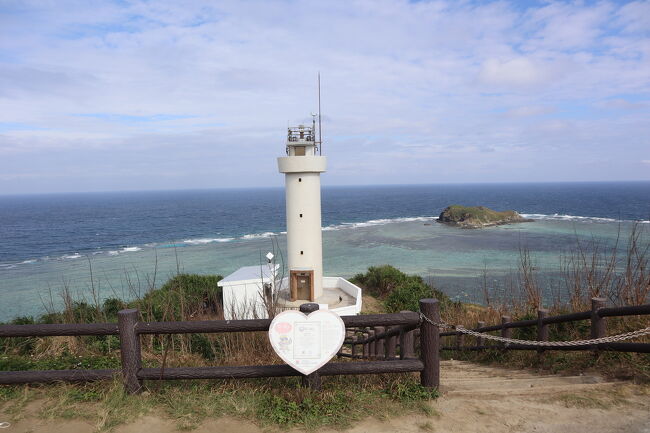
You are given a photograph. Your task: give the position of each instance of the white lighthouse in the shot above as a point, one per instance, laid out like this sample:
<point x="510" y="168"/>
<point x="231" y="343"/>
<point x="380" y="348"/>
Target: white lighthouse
<point x="264" y="290"/>
<point x="302" y="168"/>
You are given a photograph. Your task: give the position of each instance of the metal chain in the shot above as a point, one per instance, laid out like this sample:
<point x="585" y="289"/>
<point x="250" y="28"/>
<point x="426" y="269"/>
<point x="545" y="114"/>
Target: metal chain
<point x="610" y="339"/>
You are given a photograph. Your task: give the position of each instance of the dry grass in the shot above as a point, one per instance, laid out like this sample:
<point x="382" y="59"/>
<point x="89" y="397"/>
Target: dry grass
<point x="279" y="402"/>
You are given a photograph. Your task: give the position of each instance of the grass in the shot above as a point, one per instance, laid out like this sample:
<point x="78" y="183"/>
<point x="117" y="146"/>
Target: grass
<point x="616" y="365"/>
<point x="581" y="401"/>
<point x="281" y="402"/>
<point x="278" y="402"/>
<point x="616" y="396"/>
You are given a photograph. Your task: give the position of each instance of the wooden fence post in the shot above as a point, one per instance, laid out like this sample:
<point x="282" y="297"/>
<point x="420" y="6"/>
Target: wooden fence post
<point x="366" y="346"/>
<point x="353" y="346"/>
<point x="373" y="345"/>
<point x="430" y="344"/>
<point x="391" y="345"/>
<point x="598" y="324"/>
<point x="406" y="343"/>
<point x="460" y="340"/>
<point x="130" y="350"/>
<point x="312" y="380"/>
<point x="380" y="349"/>
<point x="480" y="341"/>
<point x="542" y="332"/>
<point x="506" y="332"/>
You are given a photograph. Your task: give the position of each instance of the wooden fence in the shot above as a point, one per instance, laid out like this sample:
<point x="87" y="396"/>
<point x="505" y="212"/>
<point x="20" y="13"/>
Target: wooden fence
<point x="386" y="343"/>
<point x="129" y="329"/>
<point x="597" y="316"/>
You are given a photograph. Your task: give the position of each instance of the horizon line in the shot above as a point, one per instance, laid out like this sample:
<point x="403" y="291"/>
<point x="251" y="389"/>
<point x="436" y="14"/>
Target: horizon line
<point x="323" y="186"/>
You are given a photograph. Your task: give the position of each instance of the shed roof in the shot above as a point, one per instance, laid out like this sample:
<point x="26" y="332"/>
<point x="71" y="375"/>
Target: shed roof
<point x="248" y="274"/>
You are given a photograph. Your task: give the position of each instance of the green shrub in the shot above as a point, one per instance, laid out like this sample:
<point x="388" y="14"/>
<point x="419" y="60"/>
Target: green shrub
<point x="181" y="297"/>
<point x="85" y="313"/>
<point x="398" y="290"/>
<point x="206" y="347"/>
<point x="380" y="280"/>
<point x="407" y="295"/>
<point x="110" y="307"/>
<point x="23" y="320"/>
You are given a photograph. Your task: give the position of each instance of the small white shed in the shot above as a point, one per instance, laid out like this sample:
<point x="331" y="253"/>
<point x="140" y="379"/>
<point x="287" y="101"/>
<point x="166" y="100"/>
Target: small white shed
<point x="243" y="291"/>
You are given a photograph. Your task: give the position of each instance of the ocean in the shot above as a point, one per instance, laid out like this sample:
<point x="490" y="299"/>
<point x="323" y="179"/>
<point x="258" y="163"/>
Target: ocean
<point x="132" y="240"/>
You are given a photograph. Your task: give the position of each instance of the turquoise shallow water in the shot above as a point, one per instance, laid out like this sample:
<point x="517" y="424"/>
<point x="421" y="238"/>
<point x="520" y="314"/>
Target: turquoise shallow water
<point x="48" y="242"/>
<point x="453" y="257"/>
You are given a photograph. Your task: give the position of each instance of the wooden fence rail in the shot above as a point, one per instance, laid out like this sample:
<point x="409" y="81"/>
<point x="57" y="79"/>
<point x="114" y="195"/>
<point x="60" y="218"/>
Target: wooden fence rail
<point x="381" y="343"/>
<point x="408" y="343"/>
<point x="596" y="316"/>
<point x="129" y="329"/>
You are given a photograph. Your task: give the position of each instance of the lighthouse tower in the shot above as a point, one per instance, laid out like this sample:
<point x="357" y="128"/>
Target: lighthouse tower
<point x="302" y="168"/>
<point x="248" y="292"/>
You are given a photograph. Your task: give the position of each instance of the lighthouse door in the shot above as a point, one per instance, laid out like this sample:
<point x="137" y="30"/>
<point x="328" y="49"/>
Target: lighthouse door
<point x="302" y="285"/>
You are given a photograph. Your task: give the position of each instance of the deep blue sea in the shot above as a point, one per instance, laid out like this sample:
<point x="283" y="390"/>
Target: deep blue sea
<point x="50" y="241"/>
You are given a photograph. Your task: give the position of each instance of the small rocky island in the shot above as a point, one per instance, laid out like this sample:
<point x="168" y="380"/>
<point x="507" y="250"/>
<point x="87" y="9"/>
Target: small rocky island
<point x="478" y="217"/>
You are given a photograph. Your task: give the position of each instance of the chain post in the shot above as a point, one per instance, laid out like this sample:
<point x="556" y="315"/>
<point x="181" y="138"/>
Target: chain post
<point x="598" y="324"/>
<point x="506" y="332"/>
<point x="542" y="332"/>
<point x="430" y="343"/>
<point x="130" y="351"/>
<point x="480" y="341"/>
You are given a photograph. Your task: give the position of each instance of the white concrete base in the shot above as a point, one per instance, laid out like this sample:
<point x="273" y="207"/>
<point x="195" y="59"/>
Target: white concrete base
<point x="339" y="295"/>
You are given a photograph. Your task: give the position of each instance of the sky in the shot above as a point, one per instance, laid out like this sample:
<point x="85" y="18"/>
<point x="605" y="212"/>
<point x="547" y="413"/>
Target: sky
<point x="140" y="95"/>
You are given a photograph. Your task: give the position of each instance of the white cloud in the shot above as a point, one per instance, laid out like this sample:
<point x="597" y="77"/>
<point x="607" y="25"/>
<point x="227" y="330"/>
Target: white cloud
<point x="514" y="72"/>
<point x="529" y="110"/>
<point x="220" y="80"/>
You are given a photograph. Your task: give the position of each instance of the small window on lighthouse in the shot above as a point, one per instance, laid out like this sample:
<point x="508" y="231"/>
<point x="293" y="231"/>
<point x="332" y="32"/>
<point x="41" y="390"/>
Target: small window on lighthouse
<point x="300" y="215"/>
<point x="301" y="253"/>
<point x="299" y="151"/>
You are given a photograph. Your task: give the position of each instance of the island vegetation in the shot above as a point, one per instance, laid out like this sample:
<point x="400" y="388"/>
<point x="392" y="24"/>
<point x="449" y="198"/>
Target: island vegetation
<point x="474" y="217"/>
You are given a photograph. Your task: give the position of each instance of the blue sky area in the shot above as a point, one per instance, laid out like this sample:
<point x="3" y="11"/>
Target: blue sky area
<point x="137" y="95"/>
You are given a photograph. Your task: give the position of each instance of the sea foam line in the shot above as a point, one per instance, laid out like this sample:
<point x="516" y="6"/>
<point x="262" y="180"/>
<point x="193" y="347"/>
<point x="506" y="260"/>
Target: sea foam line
<point x="201" y="241"/>
<point x="72" y="256"/>
<point x="345" y="225"/>
<point x="564" y="217"/>
<point x="130" y="249"/>
<point x="378" y="222"/>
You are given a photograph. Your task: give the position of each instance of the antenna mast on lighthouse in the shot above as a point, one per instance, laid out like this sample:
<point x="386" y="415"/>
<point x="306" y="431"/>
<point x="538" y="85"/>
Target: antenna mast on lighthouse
<point x="320" y="135"/>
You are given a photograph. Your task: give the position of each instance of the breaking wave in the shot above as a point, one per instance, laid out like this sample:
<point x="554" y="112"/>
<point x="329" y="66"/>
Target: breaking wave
<point x="202" y="241"/>
<point x="258" y="235"/>
<point x="563" y="217"/>
<point x="378" y="222"/>
<point x="130" y="249"/>
<point x="72" y="256"/>
<point x="333" y="227"/>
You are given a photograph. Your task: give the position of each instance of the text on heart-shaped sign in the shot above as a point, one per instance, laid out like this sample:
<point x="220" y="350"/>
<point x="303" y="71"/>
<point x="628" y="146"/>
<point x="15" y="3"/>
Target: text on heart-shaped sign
<point x="304" y="342"/>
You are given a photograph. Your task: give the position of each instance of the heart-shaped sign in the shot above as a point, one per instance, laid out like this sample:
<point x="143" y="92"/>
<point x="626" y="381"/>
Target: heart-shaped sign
<point x="304" y="342"/>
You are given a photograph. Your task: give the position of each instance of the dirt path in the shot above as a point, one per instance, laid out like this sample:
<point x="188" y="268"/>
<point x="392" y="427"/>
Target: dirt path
<point x="475" y="399"/>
